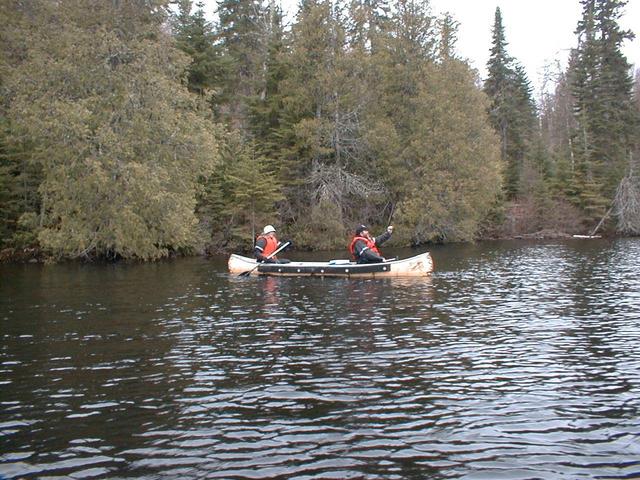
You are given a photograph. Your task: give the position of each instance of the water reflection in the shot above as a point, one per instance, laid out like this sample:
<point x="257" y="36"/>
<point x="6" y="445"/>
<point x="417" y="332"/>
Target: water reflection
<point x="515" y="360"/>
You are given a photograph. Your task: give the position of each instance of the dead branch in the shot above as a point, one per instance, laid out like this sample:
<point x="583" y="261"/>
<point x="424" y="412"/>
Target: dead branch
<point x="627" y="205"/>
<point x="333" y="183"/>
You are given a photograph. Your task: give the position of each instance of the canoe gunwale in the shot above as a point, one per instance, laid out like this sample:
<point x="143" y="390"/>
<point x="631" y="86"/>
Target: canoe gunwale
<point x="416" y="266"/>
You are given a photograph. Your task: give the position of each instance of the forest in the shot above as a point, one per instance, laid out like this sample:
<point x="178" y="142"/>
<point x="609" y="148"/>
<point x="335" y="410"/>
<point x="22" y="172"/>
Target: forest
<point x="139" y="129"/>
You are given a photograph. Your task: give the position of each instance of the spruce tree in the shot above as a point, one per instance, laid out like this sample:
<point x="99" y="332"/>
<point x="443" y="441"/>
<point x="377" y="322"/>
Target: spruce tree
<point x="239" y="196"/>
<point x="512" y="109"/>
<point x="605" y="117"/>
<point x="265" y="104"/>
<point x="208" y="69"/>
<point x="242" y="31"/>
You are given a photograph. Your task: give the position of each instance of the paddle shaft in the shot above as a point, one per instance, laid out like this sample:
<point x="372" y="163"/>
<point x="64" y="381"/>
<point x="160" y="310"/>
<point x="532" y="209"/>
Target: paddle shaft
<point x="282" y="247"/>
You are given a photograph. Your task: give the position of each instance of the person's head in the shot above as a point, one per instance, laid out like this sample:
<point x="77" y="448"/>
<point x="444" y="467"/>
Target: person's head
<point x="269" y="230"/>
<point x="362" y="231"/>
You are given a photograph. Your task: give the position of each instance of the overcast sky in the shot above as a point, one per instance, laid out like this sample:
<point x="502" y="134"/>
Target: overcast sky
<point x="538" y="33"/>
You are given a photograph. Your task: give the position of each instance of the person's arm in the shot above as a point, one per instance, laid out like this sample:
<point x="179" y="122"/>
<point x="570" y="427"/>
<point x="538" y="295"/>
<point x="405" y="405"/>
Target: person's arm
<point x="365" y="253"/>
<point x="258" y="251"/>
<point x="380" y="239"/>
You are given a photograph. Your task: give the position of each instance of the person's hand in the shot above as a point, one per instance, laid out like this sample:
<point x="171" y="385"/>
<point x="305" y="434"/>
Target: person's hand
<point x="270" y="260"/>
<point x="390" y="229"/>
<point x="288" y="247"/>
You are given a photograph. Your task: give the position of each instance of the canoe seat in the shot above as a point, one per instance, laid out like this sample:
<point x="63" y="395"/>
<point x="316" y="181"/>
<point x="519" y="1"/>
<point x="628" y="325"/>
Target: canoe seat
<point x="339" y="262"/>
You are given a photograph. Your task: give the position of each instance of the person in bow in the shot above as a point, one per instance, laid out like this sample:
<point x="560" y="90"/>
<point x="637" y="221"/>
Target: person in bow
<point x="364" y="247"/>
<point x="266" y="244"/>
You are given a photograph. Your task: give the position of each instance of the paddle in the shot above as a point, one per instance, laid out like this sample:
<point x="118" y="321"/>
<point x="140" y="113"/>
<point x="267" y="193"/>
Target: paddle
<point x="248" y="272"/>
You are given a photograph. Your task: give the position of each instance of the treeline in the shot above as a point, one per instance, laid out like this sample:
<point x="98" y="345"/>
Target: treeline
<point x="137" y="129"/>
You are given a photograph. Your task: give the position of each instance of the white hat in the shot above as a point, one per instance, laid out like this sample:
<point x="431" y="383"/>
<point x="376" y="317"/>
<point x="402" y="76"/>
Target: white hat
<point x="268" y="229"/>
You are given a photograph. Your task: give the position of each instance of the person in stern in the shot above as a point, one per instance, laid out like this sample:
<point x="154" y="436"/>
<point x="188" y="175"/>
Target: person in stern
<point x="267" y="244"/>
<point x="364" y="247"/>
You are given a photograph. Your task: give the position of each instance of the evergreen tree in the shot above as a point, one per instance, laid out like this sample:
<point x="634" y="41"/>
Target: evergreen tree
<point x="243" y="33"/>
<point x="119" y="140"/>
<point x="208" y="68"/>
<point x="512" y="109"/>
<point x="265" y="105"/>
<point x="19" y="197"/>
<point x="430" y="120"/>
<point x="19" y="178"/>
<point x="605" y="117"/>
<point x="455" y="180"/>
<point x="239" y="195"/>
<point x="320" y="129"/>
<point x="367" y="22"/>
<point x="448" y="37"/>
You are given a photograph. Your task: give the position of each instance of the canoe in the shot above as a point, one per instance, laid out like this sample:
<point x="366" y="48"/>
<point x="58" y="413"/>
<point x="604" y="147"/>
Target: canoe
<point x="418" y="266"/>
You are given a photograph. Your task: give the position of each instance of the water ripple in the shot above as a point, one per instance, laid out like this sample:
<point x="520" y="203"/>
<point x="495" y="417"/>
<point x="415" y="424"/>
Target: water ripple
<point x="514" y="361"/>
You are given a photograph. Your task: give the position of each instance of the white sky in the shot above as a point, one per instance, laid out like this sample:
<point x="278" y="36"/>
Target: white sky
<point x="538" y="33"/>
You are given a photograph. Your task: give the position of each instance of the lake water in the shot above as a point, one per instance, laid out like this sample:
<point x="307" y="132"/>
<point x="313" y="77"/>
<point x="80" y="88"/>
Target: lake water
<point x="515" y="360"/>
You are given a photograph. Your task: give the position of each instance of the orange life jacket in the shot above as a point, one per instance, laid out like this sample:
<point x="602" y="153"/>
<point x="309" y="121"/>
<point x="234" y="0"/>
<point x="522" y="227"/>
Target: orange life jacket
<point x="371" y="244"/>
<point x="271" y="245"/>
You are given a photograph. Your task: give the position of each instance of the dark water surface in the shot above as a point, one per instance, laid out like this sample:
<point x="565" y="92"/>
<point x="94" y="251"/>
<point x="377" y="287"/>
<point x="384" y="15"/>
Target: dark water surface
<point x="513" y="361"/>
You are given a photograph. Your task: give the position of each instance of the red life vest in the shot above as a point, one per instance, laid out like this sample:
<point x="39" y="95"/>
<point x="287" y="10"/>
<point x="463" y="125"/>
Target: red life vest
<point x="371" y="244"/>
<point x="269" y="247"/>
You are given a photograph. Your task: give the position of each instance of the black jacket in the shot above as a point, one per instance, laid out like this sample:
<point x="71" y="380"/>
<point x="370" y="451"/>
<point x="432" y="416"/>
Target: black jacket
<point x="364" y="254"/>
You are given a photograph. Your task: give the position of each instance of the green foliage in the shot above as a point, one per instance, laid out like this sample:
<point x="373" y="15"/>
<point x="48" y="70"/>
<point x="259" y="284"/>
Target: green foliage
<point x="361" y="112"/>
<point x="19" y="182"/>
<point x="243" y="32"/>
<point x="430" y="136"/>
<point x="209" y="68"/>
<point x="323" y="228"/>
<point x="240" y="195"/>
<point x="265" y="104"/>
<point x="456" y="170"/>
<point x="512" y="110"/>
<point x="119" y="140"/>
<point x="606" y="120"/>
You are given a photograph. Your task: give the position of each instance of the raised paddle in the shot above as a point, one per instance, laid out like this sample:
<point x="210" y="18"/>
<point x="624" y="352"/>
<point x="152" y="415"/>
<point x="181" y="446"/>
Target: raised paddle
<point x="248" y="272"/>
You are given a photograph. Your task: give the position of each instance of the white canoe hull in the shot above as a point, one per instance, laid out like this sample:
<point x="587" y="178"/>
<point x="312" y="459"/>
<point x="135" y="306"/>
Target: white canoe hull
<point x="418" y="266"/>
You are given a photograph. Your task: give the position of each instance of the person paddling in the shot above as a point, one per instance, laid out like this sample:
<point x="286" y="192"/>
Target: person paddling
<point x="364" y="247"/>
<point x="267" y="243"/>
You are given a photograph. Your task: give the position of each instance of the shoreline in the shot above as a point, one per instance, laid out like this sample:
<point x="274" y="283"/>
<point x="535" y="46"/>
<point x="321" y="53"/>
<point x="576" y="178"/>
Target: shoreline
<point x="36" y="256"/>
